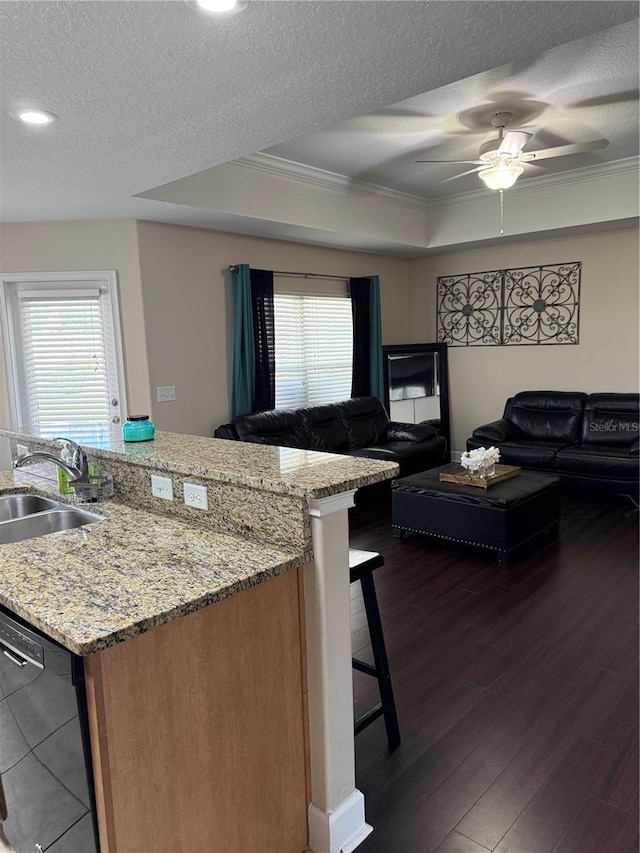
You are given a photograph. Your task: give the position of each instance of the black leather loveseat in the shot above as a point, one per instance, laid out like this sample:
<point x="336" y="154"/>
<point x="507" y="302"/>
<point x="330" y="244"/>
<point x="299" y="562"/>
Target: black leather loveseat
<point x="357" y="427"/>
<point x="587" y="439"/>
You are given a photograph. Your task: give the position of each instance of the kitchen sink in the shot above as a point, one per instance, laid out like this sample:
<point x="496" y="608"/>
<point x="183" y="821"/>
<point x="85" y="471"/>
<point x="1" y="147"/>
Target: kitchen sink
<point x="19" y="505"/>
<point x="25" y="516"/>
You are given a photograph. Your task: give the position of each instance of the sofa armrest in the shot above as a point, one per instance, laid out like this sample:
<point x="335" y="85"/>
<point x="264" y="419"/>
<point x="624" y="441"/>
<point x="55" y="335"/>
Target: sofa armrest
<point x="634" y="450"/>
<point x="397" y="431"/>
<point x="497" y="431"/>
<point x="227" y="431"/>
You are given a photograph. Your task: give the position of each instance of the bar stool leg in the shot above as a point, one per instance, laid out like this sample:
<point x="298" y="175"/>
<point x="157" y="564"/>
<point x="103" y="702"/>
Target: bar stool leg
<point x="380" y="659"/>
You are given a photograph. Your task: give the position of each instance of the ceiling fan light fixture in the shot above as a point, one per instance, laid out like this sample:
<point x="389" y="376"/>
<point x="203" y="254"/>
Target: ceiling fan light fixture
<point x="501" y="176"/>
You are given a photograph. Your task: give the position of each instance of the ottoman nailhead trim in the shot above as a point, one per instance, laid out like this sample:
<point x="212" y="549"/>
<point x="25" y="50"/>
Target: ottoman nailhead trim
<point x="447" y="538"/>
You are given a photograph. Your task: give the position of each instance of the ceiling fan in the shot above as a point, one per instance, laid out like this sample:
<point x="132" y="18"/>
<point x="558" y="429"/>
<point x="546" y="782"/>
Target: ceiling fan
<point x="501" y="160"/>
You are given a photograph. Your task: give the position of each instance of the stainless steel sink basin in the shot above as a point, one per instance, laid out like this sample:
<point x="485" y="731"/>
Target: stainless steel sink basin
<point x="19" y="505"/>
<point x="25" y="516"/>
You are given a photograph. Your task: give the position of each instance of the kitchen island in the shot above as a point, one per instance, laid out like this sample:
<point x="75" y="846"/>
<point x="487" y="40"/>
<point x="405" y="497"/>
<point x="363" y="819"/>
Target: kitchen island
<point x="216" y="643"/>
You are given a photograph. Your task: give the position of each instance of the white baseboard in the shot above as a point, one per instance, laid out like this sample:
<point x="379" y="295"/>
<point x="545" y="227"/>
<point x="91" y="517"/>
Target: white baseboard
<point x="455" y="455"/>
<point x="340" y="831"/>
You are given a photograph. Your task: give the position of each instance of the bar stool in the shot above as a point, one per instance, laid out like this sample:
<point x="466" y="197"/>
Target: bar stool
<point x="361" y="568"/>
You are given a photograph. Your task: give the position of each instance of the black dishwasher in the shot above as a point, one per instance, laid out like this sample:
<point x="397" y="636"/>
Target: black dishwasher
<point x="44" y="743"/>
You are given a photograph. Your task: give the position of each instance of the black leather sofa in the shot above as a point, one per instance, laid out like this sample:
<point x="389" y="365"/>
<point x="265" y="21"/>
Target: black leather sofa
<point x="356" y="427"/>
<point x="586" y="439"/>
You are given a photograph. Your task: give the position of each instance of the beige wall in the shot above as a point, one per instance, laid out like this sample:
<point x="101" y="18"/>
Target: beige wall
<point x="188" y="309"/>
<point x="175" y="304"/>
<point x="606" y="359"/>
<point x="175" y="301"/>
<point x="109" y="245"/>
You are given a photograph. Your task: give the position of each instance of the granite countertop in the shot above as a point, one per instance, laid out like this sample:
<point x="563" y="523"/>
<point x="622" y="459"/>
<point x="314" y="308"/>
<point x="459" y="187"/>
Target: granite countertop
<point x="105" y="582"/>
<point x="282" y="470"/>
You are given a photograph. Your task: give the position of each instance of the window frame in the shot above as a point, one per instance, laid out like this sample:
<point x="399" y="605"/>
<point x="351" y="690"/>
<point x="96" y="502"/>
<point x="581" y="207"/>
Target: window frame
<point x="11" y="347"/>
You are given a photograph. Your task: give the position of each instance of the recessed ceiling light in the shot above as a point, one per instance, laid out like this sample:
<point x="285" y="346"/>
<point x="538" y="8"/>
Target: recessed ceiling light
<point x="30" y="116"/>
<point x="221" y="5"/>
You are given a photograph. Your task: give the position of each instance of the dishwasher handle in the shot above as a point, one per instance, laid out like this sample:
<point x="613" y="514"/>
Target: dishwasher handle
<point x="14" y="657"/>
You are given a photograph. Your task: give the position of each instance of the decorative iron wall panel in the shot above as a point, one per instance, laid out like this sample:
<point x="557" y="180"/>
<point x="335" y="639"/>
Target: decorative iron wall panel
<point x="541" y="305"/>
<point x="469" y="309"/>
<point x="529" y="305"/>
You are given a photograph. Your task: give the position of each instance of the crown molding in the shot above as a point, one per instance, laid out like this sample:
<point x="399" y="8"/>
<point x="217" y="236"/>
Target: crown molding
<point x="626" y="166"/>
<point x="331" y="181"/>
<point x="343" y="185"/>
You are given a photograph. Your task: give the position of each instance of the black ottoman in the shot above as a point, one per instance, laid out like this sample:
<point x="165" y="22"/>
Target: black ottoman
<point x="502" y="518"/>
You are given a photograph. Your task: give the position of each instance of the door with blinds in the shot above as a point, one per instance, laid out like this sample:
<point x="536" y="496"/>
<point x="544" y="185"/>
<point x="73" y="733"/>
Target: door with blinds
<point x="62" y="348"/>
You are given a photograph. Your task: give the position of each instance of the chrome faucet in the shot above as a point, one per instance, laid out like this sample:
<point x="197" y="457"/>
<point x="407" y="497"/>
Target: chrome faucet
<point x="77" y="471"/>
<point x="78" y="458"/>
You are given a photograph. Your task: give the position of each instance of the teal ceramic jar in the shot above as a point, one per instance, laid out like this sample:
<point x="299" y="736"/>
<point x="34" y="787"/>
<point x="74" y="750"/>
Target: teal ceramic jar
<point x="138" y="428"/>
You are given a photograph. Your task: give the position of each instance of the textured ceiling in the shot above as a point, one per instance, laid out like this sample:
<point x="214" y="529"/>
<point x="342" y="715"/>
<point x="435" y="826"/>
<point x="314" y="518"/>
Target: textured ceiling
<point x="581" y="91"/>
<point x="149" y="92"/>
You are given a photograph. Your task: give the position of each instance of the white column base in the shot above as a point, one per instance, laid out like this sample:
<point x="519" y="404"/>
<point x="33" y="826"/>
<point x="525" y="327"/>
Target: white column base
<point x="340" y="831"/>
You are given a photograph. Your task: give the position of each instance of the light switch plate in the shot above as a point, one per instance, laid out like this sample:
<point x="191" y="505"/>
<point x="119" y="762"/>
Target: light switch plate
<point x="166" y="393"/>
<point x="161" y="487"/>
<point x="196" y="496"/>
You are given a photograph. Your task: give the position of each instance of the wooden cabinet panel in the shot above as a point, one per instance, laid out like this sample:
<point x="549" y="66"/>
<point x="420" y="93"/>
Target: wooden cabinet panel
<point x="198" y="730"/>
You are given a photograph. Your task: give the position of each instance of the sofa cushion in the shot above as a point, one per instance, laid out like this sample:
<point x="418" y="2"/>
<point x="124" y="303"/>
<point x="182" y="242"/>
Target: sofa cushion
<point x="365" y="421"/>
<point x="397" y="431"/>
<point x="324" y="429"/>
<point x="276" y="426"/>
<point x="548" y="415"/>
<point x="611" y="420"/>
<point x="526" y="454"/>
<point x="410" y="455"/>
<point x="596" y="461"/>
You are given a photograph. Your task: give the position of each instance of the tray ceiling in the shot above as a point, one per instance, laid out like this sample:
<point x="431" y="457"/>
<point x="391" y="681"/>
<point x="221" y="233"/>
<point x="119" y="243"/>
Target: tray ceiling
<point x="148" y="93"/>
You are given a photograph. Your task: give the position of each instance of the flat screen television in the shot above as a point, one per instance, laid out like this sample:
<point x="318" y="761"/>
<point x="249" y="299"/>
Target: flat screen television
<point x="412" y="376"/>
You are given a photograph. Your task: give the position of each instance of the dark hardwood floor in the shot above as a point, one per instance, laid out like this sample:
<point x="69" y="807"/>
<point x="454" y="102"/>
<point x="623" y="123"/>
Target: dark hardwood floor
<point x="516" y="689"/>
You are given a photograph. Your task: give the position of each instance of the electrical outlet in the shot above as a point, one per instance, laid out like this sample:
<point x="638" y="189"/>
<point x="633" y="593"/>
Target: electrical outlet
<point x="196" y="496"/>
<point x="161" y="487"/>
<point x="166" y="393"/>
<point x="21" y="449"/>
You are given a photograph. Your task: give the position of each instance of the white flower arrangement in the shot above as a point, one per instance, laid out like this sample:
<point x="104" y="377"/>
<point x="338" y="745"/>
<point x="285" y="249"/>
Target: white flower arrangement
<point x="476" y="461"/>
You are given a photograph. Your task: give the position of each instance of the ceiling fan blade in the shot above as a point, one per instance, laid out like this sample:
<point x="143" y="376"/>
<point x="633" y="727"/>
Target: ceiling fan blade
<point x="513" y="142"/>
<point x="563" y="150"/>
<point x="463" y="162"/>
<point x="535" y="165"/>
<point x="462" y="174"/>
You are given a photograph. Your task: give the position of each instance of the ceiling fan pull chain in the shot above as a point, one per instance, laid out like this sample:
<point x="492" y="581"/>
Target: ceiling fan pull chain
<point x="501" y="213"/>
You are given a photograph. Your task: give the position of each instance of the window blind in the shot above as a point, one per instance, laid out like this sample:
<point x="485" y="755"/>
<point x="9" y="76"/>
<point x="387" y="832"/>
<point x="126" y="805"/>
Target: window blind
<point x="65" y="365"/>
<point x="314" y="348"/>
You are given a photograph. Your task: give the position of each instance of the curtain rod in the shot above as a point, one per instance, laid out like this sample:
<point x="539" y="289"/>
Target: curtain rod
<point x="302" y="274"/>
